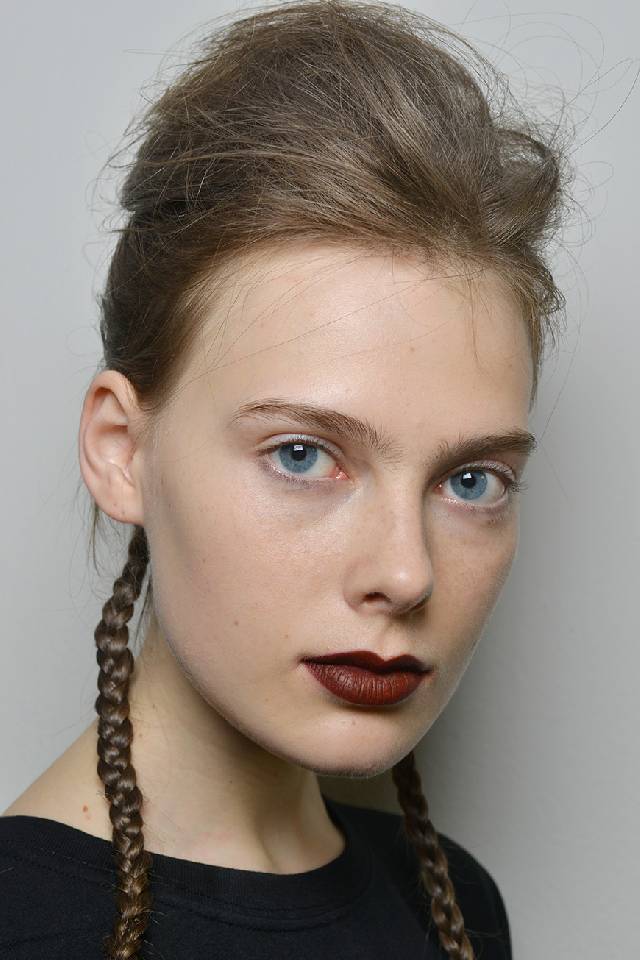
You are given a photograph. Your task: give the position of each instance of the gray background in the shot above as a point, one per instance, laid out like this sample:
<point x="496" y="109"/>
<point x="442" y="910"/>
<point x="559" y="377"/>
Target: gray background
<point x="534" y="764"/>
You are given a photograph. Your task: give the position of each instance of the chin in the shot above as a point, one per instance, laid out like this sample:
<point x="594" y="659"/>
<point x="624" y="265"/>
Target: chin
<point x="353" y="770"/>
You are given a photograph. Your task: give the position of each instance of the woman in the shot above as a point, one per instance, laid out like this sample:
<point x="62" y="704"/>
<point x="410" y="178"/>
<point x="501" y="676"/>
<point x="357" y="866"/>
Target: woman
<point x="323" y="325"/>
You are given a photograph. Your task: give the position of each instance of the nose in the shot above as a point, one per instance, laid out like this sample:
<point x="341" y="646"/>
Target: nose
<point x="393" y="568"/>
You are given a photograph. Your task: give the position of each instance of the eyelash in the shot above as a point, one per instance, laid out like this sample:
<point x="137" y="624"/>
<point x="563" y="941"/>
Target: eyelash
<point x="513" y="486"/>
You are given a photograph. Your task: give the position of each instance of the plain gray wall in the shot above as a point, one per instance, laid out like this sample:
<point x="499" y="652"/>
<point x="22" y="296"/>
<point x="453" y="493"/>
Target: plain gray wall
<point x="534" y="764"/>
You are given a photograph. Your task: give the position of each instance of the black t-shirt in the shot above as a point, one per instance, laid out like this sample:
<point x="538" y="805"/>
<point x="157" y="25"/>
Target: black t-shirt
<point x="57" y="899"/>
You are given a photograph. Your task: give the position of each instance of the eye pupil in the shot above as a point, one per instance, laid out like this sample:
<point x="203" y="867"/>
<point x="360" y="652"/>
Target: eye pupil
<point x="468" y="480"/>
<point x="298" y="451"/>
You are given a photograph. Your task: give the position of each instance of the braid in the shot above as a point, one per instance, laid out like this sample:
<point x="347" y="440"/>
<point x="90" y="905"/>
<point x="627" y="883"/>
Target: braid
<point x="434" y="867"/>
<point x="114" y="750"/>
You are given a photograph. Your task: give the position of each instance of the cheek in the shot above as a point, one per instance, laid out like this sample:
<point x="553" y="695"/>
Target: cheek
<point x="469" y="574"/>
<point x="224" y="561"/>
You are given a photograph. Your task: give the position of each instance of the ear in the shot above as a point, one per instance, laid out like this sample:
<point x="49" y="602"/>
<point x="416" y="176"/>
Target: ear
<point x="110" y="460"/>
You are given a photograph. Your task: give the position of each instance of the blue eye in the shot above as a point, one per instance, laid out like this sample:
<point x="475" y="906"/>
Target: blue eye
<point x="469" y="484"/>
<point x="297" y="458"/>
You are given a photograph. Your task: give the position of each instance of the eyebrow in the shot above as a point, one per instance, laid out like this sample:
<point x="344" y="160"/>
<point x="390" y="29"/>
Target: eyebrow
<point x="365" y="433"/>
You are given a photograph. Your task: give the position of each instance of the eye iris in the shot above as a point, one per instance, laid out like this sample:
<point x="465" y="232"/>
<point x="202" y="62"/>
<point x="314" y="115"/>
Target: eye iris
<point x="299" y="456"/>
<point x="470" y="484"/>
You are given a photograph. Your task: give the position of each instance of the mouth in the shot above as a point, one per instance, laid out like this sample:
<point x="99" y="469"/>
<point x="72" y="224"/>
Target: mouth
<point x="364" y="679"/>
<point x="371" y="661"/>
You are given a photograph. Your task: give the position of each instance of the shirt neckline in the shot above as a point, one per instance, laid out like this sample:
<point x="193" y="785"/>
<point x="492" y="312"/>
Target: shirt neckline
<point x="330" y="886"/>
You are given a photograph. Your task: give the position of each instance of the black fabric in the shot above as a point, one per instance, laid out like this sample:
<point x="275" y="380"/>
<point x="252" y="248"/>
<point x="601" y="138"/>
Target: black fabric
<point x="57" y="899"/>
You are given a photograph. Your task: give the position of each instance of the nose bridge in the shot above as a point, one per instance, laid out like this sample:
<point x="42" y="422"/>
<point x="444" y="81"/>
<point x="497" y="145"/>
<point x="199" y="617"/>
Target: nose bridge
<point x="396" y="543"/>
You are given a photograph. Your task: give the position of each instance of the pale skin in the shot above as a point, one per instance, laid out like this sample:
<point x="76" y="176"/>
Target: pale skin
<point x="251" y="572"/>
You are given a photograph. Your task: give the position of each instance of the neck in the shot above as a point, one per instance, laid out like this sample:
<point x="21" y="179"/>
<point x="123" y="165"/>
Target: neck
<point x="212" y="794"/>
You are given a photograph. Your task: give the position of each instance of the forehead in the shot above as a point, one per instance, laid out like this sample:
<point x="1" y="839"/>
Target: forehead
<point x="335" y="322"/>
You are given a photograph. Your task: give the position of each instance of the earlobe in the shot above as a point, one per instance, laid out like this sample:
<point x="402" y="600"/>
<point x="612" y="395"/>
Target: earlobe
<point x="107" y="451"/>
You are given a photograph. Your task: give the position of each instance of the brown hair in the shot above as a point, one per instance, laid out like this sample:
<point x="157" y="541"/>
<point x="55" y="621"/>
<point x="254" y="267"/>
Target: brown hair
<point x="329" y="119"/>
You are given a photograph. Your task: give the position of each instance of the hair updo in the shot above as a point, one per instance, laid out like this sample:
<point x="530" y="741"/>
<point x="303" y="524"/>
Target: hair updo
<point x="335" y="120"/>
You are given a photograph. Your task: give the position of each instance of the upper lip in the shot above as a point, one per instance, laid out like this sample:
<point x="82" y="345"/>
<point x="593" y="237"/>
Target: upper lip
<point x="371" y="661"/>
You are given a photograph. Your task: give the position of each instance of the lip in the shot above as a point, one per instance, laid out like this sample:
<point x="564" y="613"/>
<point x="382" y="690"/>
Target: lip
<point x="371" y="688"/>
<point x="372" y="662"/>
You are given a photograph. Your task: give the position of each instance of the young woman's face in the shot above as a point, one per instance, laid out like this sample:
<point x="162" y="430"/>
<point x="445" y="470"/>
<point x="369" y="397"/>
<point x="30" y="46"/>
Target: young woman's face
<point x="262" y="556"/>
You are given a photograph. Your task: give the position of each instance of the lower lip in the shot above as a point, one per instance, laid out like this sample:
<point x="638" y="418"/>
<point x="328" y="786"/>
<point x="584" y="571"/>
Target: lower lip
<point x="358" y="685"/>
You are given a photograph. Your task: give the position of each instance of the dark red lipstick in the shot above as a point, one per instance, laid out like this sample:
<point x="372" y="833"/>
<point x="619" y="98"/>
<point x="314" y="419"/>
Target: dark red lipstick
<point x="371" y="661"/>
<point x="361" y="676"/>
